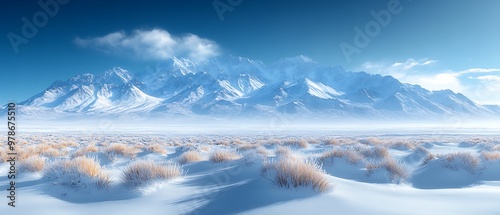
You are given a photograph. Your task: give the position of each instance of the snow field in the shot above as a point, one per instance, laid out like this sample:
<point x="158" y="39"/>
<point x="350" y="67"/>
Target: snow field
<point x="255" y="174"/>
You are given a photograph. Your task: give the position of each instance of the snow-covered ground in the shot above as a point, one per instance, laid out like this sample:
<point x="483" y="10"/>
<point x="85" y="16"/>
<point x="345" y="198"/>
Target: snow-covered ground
<point x="242" y="173"/>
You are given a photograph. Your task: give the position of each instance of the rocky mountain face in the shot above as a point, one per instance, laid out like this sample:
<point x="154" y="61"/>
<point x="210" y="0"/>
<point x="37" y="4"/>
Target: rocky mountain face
<point x="229" y="86"/>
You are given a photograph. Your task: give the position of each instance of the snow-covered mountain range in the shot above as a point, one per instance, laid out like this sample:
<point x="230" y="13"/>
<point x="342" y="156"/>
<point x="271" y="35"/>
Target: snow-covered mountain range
<point x="228" y="86"/>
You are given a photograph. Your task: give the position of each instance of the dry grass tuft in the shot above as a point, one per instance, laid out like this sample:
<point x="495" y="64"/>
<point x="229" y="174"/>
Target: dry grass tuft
<point x="335" y="142"/>
<point x="189" y="157"/>
<point x="341" y="141"/>
<point x="273" y="141"/>
<point x="420" y="149"/>
<point x="314" y="141"/>
<point x="205" y="148"/>
<point x="223" y="143"/>
<point x="462" y="160"/>
<point x="292" y="172"/>
<point x="263" y="151"/>
<point x="119" y="149"/>
<point x="32" y="164"/>
<point x="428" y="155"/>
<point x="372" y="166"/>
<point x="84" y="151"/>
<point x="396" y="171"/>
<point x="402" y="144"/>
<point x="26" y="153"/>
<point x="92" y="148"/>
<point x="238" y="142"/>
<point x="496" y="148"/>
<point x="144" y="172"/>
<point x="157" y="149"/>
<point x="428" y="158"/>
<point x="247" y="146"/>
<point x="373" y="141"/>
<point x="68" y="143"/>
<point x="78" y="173"/>
<point x="352" y="157"/>
<point x="491" y="156"/>
<point x="39" y="150"/>
<point x="53" y="153"/>
<point x="283" y="151"/>
<point x="296" y="142"/>
<point x="3" y="156"/>
<point x="223" y="156"/>
<point x="375" y="152"/>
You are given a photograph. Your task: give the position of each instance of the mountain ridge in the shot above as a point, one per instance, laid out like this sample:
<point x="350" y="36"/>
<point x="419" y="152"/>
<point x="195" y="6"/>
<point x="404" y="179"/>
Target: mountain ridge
<point x="228" y="86"/>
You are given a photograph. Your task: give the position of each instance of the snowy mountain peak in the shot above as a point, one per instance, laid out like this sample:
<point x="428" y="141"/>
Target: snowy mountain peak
<point x="116" y="75"/>
<point x="183" y="65"/>
<point x="297" y="59"/>
<point x="174" y="66"/>
<point x="237" y="86"/>
<point x="321" y="90"/>
<point x="85" y="78"/>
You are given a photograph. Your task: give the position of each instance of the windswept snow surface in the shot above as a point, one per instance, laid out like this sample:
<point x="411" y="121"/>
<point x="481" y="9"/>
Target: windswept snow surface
<point x="439" y="185"/>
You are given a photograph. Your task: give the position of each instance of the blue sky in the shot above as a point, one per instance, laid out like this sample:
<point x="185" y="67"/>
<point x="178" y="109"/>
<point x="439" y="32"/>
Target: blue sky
<point x="438" y="44"/>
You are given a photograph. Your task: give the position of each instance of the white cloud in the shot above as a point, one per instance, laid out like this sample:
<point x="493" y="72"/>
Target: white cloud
<point x="439" y="81"/>
<point x="484" y="89"/>
<point x="428" y="62"/>
<point x="399" y="70"/>
<point x="411" y="63"/>
<point x="489" y="78"/>
<point x="479" y="70"/>
<point x="156" y="44"/>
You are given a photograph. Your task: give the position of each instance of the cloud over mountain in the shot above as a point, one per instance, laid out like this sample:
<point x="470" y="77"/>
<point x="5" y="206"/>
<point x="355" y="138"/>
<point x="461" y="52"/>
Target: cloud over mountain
<point x="155" y="44"/>
<point x="472" y="82"/>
